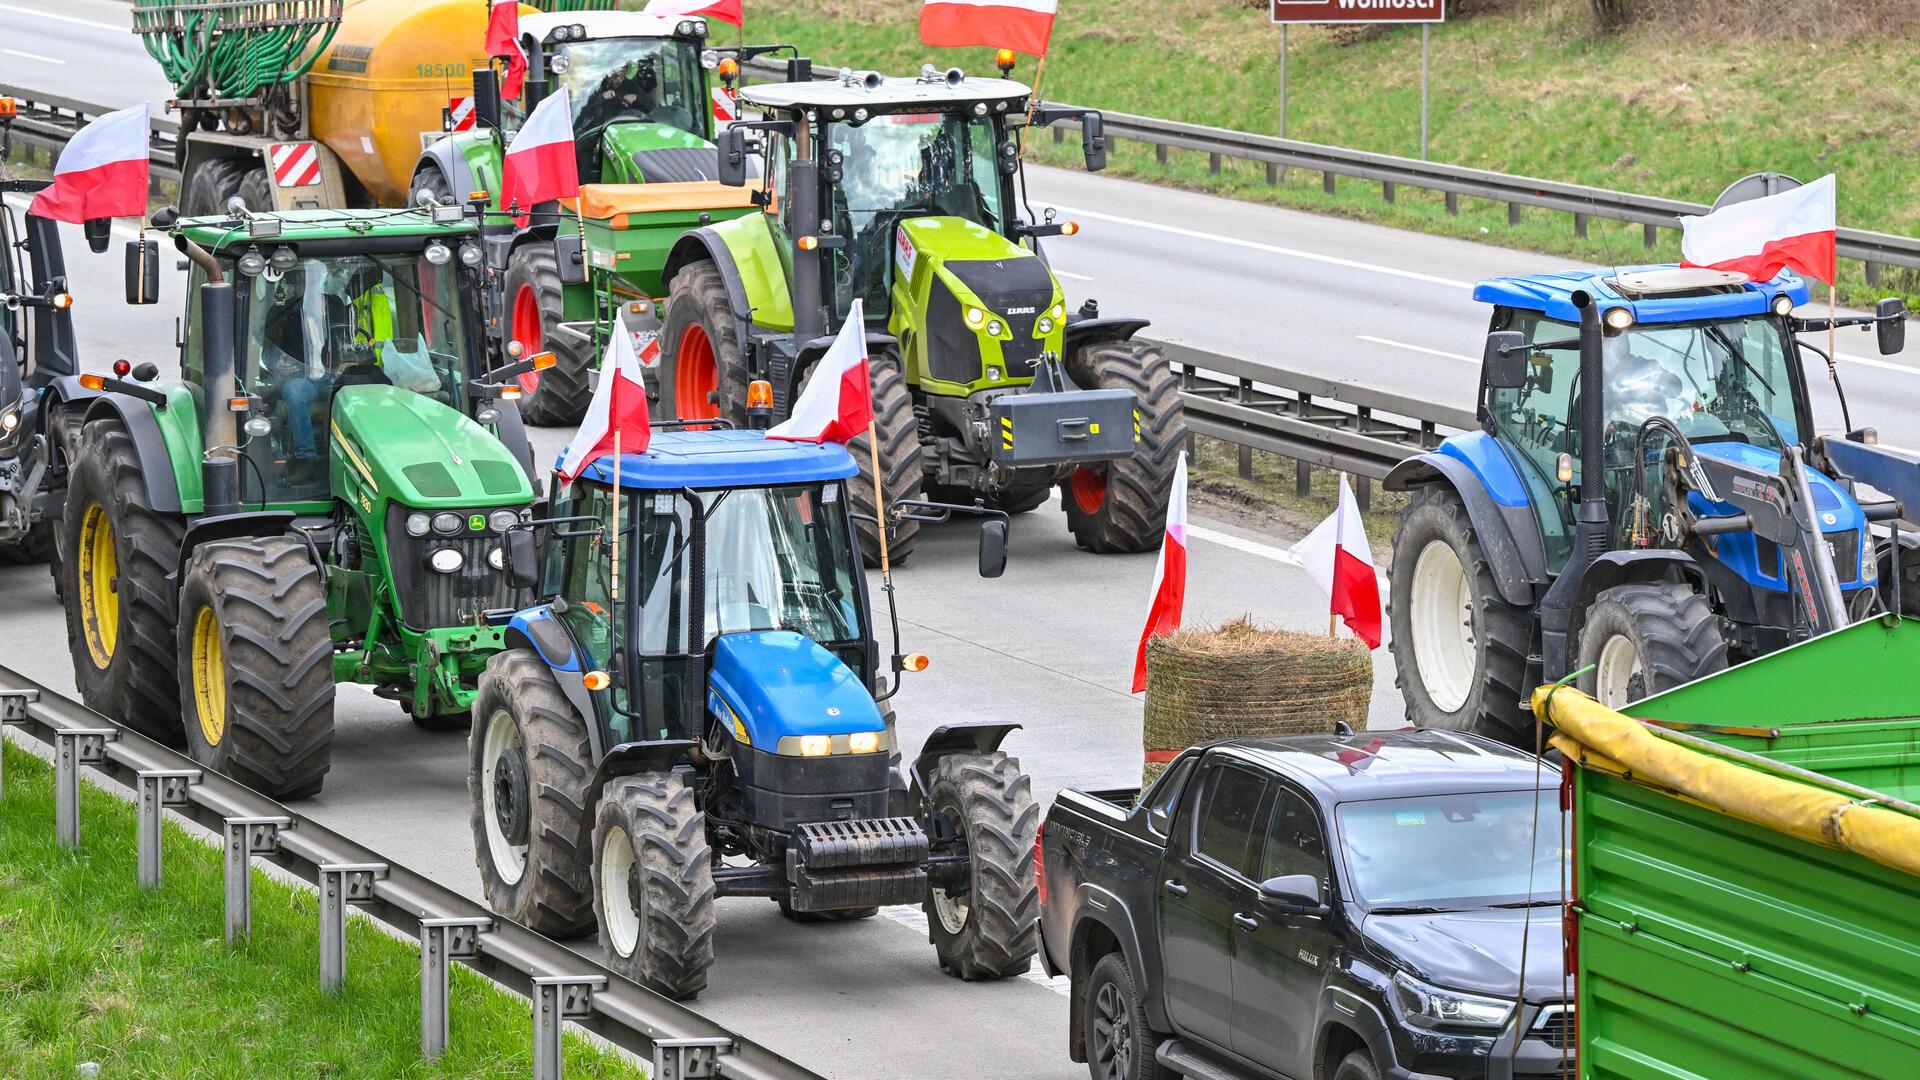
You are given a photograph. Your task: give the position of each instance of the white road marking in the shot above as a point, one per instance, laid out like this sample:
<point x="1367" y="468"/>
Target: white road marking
<point x="1874" y="361"/>
<point x="916" y="920"/>
<point x="33" y="56"/>
<point x="1243" y="545"/>
<point x="1272" y="249"/>
<point x="1419" y="348"/>
<point x="63" y="18"/>
<point x="1070" y="274"/>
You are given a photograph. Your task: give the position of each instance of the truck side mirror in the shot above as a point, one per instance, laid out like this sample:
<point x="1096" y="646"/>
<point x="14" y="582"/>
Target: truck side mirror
<point x="732" y="146"/>
<point x="143" y="271"/>
<point x="1093" y="141"/>
<point x="1892" y="327"/>
<point x="523" y="559"/>
<point x="486" y="98"/>
<point x="993" y="548"/>
<point x="1293" y="894"/>
<point x="1505" y="360"/>
<point x="570" y="257"/>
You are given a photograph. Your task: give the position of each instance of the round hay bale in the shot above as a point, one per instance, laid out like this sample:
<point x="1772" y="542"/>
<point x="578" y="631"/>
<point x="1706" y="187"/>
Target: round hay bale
<point x="1239" y="680"/>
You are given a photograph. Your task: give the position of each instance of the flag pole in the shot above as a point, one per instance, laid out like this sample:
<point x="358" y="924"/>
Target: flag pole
<point x="1833" y="316"/>
<point x="1033" y="99"/>
<point x="1339" y="536"/>
<point x="879" y="502"/>
<point x="613" y="593"/>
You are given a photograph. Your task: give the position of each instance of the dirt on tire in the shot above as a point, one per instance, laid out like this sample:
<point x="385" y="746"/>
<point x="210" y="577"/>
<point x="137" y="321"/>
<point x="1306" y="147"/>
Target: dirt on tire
<point x="989" y="800"/>
<point x="671" y="880"/>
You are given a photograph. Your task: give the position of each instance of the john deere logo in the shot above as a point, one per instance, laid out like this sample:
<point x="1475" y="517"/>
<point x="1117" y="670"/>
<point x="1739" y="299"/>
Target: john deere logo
<point x="477" y="522"/>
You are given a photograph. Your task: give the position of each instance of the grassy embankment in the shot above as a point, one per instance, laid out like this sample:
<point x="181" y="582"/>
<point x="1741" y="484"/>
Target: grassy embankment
<point x="94" y="969"/>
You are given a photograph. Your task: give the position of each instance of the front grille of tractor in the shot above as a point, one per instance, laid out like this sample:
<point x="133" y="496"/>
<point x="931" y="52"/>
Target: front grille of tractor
<point x="430" y="599"/>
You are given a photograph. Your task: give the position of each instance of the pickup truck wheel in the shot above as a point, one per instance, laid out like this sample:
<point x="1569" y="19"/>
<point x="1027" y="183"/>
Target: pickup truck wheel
<point x="986" y="928"/>
<point x="653" y="883"/>
<point x="1357" y="1066"/>
<point x="1120" y="1045"/>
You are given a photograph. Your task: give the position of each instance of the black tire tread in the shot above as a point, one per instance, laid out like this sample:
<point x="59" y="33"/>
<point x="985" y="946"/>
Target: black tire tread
<point x="256" y="190"/>
<point x="555" y="894"/>
<point x="675" y="866"/>
<point x="214" y="182"/>
<point x="563" y="392"/>
<point x="900" y="462"/>
<point x="271" y="603"/>
<point x="1002" y="932"/>
<point x="1133" y="517"/>
<point x="698" y="293"/>
<point x="1678" y="634"/>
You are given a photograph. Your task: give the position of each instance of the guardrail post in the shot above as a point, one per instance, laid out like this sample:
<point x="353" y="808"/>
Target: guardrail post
<point x="1873" y="274"/>
<point x="1328" y="182"/>
<point x="1513" y="213"/>
<point x="688" y="1059"/>
<point x="244" y="838"/>
<point x="557" y="999"/>
<point x="1273" y="173"/>
<point x="1453" y="202"/>
<point x="1363" y="494"/>
<point x="72" y="748"/>
<point x="13" y="710"/>
<point x="1651" y="235"/>
<point x="1213" y="163"/>
<point x="156" y="788"/>
<point x="1580" y="225"/>
<point x="442" y="940"/>
<point x="1160" y="153"/>
<point x="1246" y="452"/>
<point x="341" y="884"/>
<point x="1059" y="134"/>
<point x="1386" y="190"/>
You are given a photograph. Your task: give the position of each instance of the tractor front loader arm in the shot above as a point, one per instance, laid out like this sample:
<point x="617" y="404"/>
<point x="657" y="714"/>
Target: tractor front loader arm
<point x="1888" y="469"/>
<point x="1778" y="507"/>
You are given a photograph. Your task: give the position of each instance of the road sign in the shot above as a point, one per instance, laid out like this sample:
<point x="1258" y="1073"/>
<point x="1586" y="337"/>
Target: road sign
<point x="1359" y="11"/>
<point x="295" y="164"/>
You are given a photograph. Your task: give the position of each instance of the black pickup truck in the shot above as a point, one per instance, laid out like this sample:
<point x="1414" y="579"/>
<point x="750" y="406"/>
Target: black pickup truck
<point x="1323" y="907"/>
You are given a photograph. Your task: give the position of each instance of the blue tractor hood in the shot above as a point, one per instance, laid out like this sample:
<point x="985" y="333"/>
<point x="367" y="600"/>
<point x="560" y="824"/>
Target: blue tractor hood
<point x="780" y="683"/>
<point x="1833" y="508"/>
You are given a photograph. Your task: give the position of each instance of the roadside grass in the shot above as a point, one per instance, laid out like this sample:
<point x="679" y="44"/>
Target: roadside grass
<point x="1529" y="89"/>
<point x="95" y="969"/>
<point x="1271" y="498"/>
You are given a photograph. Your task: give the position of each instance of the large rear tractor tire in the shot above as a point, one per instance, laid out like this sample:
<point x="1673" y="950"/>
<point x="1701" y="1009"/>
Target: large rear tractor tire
<point x="214" y="182"/>
<point x="703" y="363"/>
<point x="1459" y="650"/>
<point x="528" y="765"/>
<point x="1121" y="506"/>
<point x="653" y="883"/>
<point x="431" y="180"/>
<point x="900" y="463"/>
<point x="256" y="190"/>
<point x="256" y="664"/>
<point x="988" y="928"/>
<point x="116" y="588"/>
<point x="1645" y="638"/>
<point x="536" y="306"/>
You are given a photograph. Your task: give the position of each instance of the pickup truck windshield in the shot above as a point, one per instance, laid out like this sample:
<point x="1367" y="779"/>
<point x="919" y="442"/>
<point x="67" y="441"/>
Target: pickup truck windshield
<point x="1453" y="852"/>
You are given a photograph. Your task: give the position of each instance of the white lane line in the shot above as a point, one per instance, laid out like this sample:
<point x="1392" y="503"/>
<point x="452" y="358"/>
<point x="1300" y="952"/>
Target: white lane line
<point x="1888" y="365"/>
<point x="916" y="920"/>
<point x="1419" y="348"/>
<point x="1071" y="274"/>
<point x="1243" y="545"/>
<point x="63" y="18"/>
<point x="1271" y="249"/>
<point x="33" y="56"/>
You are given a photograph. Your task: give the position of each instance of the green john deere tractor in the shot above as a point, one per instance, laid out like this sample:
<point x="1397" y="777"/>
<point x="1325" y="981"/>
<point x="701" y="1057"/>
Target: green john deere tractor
<point x="643" y="110"/>
<point x="901" y="193"/>
<point x="320" y="496"/>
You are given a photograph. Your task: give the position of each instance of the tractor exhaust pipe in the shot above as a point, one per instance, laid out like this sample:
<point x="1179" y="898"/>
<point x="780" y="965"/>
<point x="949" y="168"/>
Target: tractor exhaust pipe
<point x="809" y="301"/>
<point x="220" y="433"/>
<point x="1590" y="526"/>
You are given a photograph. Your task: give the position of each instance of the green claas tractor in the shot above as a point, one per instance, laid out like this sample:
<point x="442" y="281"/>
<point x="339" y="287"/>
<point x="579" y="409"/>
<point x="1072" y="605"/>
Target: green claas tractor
<point x="643" y="104"/>
<point x="320" y="496"/>
<point x="901" y="193"/>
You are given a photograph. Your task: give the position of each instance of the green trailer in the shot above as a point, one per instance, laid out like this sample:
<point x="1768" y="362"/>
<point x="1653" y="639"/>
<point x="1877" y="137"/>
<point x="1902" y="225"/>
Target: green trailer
<point x="1747" y="867"/>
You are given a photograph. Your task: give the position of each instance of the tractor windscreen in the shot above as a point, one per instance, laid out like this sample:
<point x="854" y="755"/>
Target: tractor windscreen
<point x="322" y="324"/>
<point x="637" y="80"/>
<point x="905" y="165"/>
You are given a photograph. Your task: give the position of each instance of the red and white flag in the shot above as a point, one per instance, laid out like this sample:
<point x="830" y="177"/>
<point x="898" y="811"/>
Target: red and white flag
<point x="1169" y="576"/>
<point x="618" y="411"/>
<point x="838" y="401"/>
<point x="1794" y="230"/>
<point x="503" y="40"/>
<point x="1335" y="554"/>
<point x="1021" y="25"/>
<point x="102" y="173"/>
<point x="726" y="11"/>
<point x="540" y="163"/>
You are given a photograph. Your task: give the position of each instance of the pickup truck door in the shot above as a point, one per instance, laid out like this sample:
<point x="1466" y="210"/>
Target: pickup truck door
<point x="1280" y="960"/>
<point x="1203" y="881"/>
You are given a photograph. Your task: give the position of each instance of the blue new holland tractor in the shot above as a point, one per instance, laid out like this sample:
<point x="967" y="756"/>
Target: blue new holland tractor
<point x="698" y="710"/>
<point x="1645" y="496"/>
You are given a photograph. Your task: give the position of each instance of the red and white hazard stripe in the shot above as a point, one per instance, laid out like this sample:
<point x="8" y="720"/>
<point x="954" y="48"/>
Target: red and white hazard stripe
<point x="460" y="114"/>
<point x="294" y="164"/>
<point x="725" y="109"/>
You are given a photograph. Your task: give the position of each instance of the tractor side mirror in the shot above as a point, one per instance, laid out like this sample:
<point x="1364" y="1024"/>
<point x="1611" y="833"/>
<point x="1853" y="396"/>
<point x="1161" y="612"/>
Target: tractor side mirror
<point x="486" y="98"/>
<point x="1293" y="894"/>
<point x="1892" y="325"/>
<point x="1505" y="360"/>
<point x="99" y="233"/>
<point x="523" y="559"/>
<point x="993" y="548"/>
<point x="1093" y="141"/>
<point x="732" y="147"/>
<point x="570" y="256"/>
<point x="143" y="271"/>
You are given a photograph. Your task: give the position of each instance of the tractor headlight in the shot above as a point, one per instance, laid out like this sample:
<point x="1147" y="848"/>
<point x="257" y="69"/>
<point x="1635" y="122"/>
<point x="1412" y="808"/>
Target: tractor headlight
<point x="9" y="420"/>
<point x="863" y="742"/>
<point x="1424" y="1005"/>
<point x="495" y="558"/>
<point x="1045" y="324"/>
<point x="418" y="524"/>
<point x="470" y="253"/>
<point x="709" y="58"/>
<point x="994" y="328"/>
<point x="446" y="560"/>
<point x="502" y="520"/>
<point x="1869" y="566"/>
<point x="1618" y="318"/>
<point x="1057" y="311"/>
<point x="1783" y="305"/>
<point x="975" y="316"/>
<point x="684" y="28"/>
<point x="816" y="745"/>
<point x="438" y="253"/>
<point x="447" y="524"/>
<point x="559" y="64"/>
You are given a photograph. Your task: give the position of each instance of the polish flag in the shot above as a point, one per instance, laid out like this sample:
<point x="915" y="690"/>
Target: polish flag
<point x="1335" y="554"/>
<point x="1020" y="25"/>
<point x="1792" y="230"/>
<point x="617" y="415"/>
<point x="838" y="401"/>
<point x="1169" y="576"/>
<point x="540" y="164"/>
<point x="503" y="40"/>
<point x="727" y="11"/>
<point x="102" y="173"/>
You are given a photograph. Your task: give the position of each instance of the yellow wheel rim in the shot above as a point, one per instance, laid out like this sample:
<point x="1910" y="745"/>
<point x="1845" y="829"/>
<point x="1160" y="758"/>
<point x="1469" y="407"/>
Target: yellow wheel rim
<point x="209" y="676"/>
<point x="99" y="586"/>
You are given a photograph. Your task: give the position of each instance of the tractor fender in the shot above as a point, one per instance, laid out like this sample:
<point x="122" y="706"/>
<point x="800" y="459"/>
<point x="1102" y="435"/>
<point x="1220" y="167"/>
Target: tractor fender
<point x="1102" y="909"/>
<point x="1080" y="333"/>
<point x="1635" y="566"/>
<point x="967" y="737"/>
<point x="232" y="527"/>
<point x="706" y="245"/>
<point x="540" y="630"/>
<point x="156" y="469"/>
<point x="877" y="341"/>
<point x="1486" y="482"/>
<point x="469" y="160"/>
<point x="626" y="759"/>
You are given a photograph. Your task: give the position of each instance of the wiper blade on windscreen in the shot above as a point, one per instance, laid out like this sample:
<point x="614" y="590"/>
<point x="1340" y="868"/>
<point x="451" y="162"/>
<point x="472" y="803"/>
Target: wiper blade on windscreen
<point x="1527" y="904"/>
<point x="1410" y="909"/>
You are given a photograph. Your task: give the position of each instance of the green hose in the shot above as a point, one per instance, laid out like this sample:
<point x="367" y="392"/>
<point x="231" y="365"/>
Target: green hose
<point x="226" y="50"/>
